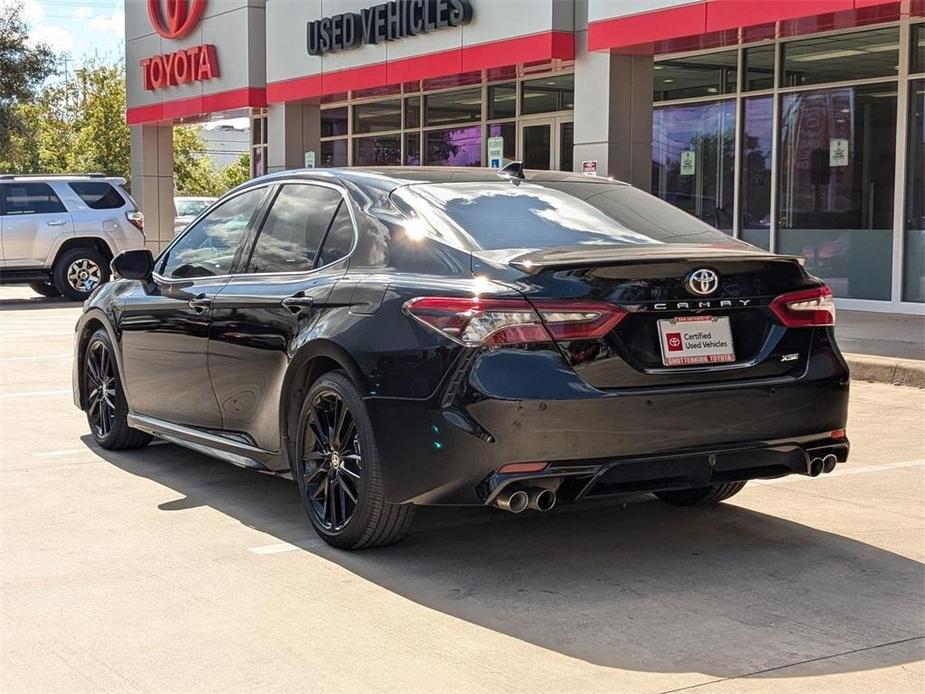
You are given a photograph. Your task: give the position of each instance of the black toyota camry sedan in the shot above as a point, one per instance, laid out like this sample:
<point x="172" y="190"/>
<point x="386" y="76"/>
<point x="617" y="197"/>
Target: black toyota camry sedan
<point x="399" y="337"/>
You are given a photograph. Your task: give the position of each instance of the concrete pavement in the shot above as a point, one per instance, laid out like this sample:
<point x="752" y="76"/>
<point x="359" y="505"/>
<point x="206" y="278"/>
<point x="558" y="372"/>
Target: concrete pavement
<point x="163" y="570"/>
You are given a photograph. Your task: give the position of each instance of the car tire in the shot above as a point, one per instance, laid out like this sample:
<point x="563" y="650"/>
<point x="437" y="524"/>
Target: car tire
<point x="107" y="410"/>
<point x="79" y="271"/>
<point x="45" y="289"/>
<point x="702" y="495"/>
<point x="338" y="472"/>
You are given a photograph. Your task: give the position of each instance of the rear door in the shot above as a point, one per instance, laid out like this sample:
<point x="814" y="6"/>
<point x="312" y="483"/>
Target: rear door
<point x="34" y="221"/>
<point x="298" y="254"/>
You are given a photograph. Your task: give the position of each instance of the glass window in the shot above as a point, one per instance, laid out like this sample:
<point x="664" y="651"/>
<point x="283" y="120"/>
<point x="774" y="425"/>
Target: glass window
<point x="502" y="101"/>
<point x="339" y="240"/>
<point x="208" y="247"/>
<point x="334" y="122"/>
<point x="383" y="150"/>
<point x="759" y="68"/>
<point x="413" y="149"/>
<point x="384" y="90"/>
<point x="453" y="107"/>
<point x="377" y="117"/>
<point x="462" y="80"/>
<point x="294" y="228"/>
<point x="701" y="75"/>
<point x="98" y="195"/>
<point x="755" y="200"/>
<point x="30" y="198"/>
<point x="693" y="159"/>
<point x="566" y="146"/>
<point x="918" y="48"/>
<point x="499" y="215"/>
<point x="191" y="207"/>
<point x="548" y="94"/>
<point x="914" y="246"/>
<point x="841" y="57"/>
<point x="454" y="147"/>
<point x="509" y="132"/>
<point x="413" y="112"/>
<point x="333" y="153"/>
<point x="836" y="185"/>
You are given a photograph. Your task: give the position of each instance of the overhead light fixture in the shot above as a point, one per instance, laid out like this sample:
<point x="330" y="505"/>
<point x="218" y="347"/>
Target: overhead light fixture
<point x="844" y="53"/>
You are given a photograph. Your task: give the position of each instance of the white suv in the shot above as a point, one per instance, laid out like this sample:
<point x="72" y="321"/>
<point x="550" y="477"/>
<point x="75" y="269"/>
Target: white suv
<point x="58" y="234"/>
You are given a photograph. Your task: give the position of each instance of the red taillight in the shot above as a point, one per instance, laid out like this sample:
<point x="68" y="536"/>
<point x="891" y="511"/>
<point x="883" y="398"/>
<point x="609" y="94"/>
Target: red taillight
<point x="137" y="220"/>
<point x="805" y="309"/>
<point x="521" y="468"/>
<point x="475" y="321"/>
<point x="838" y="434"/>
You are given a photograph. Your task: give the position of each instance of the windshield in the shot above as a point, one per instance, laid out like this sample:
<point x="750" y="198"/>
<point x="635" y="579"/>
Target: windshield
<point x="560" y="213"/>
<point x="191" y="208"/>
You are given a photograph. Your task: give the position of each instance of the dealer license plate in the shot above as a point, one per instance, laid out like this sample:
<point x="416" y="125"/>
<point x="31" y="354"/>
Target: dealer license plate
<point x="688" y="340"/>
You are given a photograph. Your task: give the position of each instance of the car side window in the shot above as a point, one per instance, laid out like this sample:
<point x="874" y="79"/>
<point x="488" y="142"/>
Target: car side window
<point x="208" y="248"/>
<point x="294" y="228"/>
<point x="98" y="195"/>
<point x="30" y="198"/>
<point x="339" y="241"/>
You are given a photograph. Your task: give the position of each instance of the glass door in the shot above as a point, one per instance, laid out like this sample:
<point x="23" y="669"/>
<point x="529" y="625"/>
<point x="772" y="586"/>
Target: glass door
<point x="547" y="144"/>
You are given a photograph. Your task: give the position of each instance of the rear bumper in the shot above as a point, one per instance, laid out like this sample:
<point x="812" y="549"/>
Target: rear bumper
<point x="449" y="453"/>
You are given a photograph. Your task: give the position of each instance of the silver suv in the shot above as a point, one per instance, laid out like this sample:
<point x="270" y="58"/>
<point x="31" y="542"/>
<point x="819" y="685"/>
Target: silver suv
<point x="58" y="234"/>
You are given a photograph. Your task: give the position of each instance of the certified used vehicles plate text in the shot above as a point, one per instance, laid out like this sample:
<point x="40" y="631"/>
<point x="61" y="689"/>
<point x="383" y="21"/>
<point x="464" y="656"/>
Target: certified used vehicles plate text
<point x="687" y="340"/>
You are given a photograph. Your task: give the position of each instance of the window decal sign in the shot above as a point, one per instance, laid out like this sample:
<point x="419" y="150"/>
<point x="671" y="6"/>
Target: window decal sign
<point x="688" y="162"/>
<point x="838" y="152"/>
<point x="385" y="22"/>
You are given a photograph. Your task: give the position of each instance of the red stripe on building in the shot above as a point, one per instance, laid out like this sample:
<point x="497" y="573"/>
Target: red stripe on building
<point x="708" y="16"/>
<point x="523" y="49"/>
<point x="249" y="97"/>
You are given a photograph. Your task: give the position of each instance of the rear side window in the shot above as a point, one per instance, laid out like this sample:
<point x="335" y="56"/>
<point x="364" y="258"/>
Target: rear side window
<point x="98" y="195"/>
<point x="294" y="228"/>
<point x="208" y="247"/>
<point x="339" y="241"/>
<point x="30" y="198"/>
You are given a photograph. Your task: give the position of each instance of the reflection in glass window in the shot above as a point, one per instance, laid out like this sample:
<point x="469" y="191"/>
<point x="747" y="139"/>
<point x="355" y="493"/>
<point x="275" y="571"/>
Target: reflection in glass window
<point x="841" y="57"/>
<point x="334" y="121"/>
<point x="339" y="240"/>
<point x="755" y="203"/>
<point x="836" y="185"/>
<point x="914" y="246"/>
<point x="413" y="112"/>
<point x="208" y="247"/>
<point x="548" y="94"/>
<point x="293" y="229"/>
<point x="454" y="147"/>
<point x="509" y="132"/>
<point x="377" y="117"/>
<point x="759" y="68"/>
<point x="693" y="158"/>
<point x="918" y="48"/>
<point x="333" y="153"/>
<point x="384" y="150"/>
<point x="453" y="107"/>
<point x="702" y="75"/>
<point x="30" y="198"/>
<point x="413" y="149"/>
<point x="502" y="101"/>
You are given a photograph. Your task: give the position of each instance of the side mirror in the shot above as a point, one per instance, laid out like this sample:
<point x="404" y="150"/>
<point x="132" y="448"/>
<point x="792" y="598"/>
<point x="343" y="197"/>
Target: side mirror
<point x="133" y="265"/>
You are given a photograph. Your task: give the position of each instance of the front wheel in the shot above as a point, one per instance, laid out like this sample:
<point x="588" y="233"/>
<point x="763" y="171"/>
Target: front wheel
<point x="79" y="271"/>
<point x="702" y="495"/>
<point x="338" y="472"/>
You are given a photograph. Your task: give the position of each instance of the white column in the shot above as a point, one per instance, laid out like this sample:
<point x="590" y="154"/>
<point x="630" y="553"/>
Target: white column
<point x="152" y="181"/>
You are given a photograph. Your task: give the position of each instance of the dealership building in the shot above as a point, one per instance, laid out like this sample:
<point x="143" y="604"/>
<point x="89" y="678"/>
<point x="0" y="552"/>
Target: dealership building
<point x="795" y="125"/>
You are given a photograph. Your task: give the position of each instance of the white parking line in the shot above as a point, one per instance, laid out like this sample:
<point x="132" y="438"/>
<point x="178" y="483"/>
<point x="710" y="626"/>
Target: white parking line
<point x="38" y="357"/>
<point x="33" y="394"/>
<point x="66" y="451"/>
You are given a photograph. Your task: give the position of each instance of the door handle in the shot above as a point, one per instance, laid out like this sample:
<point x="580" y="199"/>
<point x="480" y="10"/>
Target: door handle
<point x="298" y="302"/>
<point x="57" y="222"/>
<point x="200" y="303"/>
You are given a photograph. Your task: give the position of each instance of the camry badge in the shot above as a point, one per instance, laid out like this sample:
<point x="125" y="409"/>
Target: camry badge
<point x="702" y="282"/>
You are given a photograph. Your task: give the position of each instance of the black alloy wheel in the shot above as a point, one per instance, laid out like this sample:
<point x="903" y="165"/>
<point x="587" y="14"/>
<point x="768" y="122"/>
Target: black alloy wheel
<point x="332" y="468"/>
<point x="100" y="385"/>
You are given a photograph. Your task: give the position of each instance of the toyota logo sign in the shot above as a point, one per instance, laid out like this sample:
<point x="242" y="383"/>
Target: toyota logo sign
<point x="174" y="19"/>
<point x="702" y="282"/>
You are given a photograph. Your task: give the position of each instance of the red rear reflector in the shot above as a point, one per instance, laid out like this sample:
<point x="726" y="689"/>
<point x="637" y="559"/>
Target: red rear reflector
<point x="838" y="434"/>
<point x="806" y="308"/>
<point x="474" y="321"/>
<point x="137" y="220"/>
<point x="512" y="468"/>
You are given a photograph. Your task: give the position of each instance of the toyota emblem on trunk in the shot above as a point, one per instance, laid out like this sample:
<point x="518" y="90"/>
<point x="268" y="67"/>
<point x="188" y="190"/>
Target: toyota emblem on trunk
<point x="702" y="282"/>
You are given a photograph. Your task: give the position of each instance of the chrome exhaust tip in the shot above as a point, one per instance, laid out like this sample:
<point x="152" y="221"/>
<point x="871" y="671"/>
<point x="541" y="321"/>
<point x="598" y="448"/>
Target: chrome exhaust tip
<point x="828" y="462"/>
<point x="815" y="467"/>
<point x="542" y="499"/>
<point x="513" y="501"/>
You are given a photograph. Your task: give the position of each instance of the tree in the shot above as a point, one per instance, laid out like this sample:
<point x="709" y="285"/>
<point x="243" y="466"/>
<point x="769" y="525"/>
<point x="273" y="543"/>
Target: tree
<point x="22" y="71"/>
<point x="195" y="174"/>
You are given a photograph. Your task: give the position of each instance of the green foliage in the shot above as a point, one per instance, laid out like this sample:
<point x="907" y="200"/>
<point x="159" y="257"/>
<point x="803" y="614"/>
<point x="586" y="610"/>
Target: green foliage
<point x="195" y="174"/>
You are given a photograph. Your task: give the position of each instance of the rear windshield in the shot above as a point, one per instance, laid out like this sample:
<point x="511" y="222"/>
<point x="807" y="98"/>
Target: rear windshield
<point x="98" y="195"/>
<point x="561" y="213"/>
<point x="191" y="208"/>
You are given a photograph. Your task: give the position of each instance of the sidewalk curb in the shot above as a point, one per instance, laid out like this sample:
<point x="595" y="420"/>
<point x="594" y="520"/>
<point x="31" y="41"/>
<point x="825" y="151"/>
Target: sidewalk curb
<point x="898" y="372"/>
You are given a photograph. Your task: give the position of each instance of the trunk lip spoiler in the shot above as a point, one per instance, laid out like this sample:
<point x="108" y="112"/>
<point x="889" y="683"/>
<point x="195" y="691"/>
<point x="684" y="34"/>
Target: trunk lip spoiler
<point x="536" y="261"/>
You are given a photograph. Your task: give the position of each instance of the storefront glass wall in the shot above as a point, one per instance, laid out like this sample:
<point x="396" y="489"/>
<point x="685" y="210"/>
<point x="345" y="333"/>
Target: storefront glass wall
<point x="811" y="125"/>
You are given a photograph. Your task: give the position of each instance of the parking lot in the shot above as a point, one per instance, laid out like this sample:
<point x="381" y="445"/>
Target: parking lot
<point x="164" y="570"/>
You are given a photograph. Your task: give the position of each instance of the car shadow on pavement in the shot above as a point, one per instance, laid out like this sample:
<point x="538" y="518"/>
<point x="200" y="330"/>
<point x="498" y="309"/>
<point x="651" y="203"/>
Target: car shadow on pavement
<point x="627" y="583"/>
<point x="34" y="302"/>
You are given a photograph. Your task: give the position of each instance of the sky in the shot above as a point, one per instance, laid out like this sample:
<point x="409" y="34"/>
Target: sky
<point x="79" y="28"/>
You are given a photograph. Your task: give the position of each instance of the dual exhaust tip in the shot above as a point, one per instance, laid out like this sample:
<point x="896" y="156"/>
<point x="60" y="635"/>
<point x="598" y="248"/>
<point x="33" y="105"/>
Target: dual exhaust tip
<point x="534" y="498"/>
<point x="819" y="465"/>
